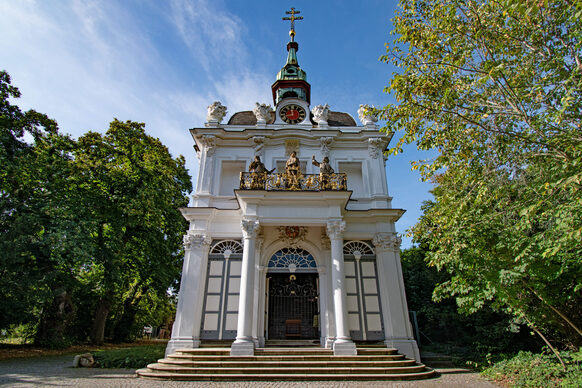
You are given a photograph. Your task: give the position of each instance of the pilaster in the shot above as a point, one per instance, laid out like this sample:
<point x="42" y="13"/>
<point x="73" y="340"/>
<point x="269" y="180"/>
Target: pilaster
<point x="398" y="330"/>
<point x="186" y="329"/>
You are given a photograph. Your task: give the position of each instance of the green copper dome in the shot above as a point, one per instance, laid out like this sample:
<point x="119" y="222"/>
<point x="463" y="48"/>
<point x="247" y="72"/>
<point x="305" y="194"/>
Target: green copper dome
<point x="291" y="70"/>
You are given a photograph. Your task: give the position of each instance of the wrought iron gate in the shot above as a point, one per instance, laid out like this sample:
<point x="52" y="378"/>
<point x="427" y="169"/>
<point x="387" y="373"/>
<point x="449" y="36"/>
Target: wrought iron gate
<point x="293" y="306"/>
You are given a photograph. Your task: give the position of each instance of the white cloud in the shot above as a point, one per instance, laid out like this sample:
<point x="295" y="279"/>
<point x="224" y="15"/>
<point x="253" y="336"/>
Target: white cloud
<point x="213" y="35"/>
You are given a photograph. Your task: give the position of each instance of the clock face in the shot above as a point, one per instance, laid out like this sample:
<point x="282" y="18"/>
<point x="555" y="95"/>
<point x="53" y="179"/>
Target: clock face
<point x="292" y="114"/>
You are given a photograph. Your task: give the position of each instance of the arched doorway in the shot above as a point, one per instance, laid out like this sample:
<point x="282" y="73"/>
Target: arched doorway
<point x="293" y="295"/>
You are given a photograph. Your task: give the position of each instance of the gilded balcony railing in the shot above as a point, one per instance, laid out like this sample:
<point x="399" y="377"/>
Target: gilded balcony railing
<point x="292" y="182"/>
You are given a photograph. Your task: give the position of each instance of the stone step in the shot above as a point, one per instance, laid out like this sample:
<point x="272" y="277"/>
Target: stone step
<point x="285" y="364"/>
<point x="270" y="363"/>
<point x="291" y="343"/>
<point x="376" y="351"/>
<point x="287" y="370"/>
<point x="294" y="351"/>
<point x="386" y="357"/>
<point x="428" y="373"/>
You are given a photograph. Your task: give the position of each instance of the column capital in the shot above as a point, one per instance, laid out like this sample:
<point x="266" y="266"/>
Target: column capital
<point x="250" y="228"/>
<point x="209" y="143"/>
<point x="387" y="241"/>
<point x="193" y="240"/>
<point x="335" y="229"/>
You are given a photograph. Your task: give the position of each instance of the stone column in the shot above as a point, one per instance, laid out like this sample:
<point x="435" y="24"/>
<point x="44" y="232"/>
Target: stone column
<point x="206" y="167"/>
<point x="258" y="297"/>
<point x="397" y="328"/>
<point x="186" y="329"/>
<point x="343" y="344"/>
<point x="244" y="345"/>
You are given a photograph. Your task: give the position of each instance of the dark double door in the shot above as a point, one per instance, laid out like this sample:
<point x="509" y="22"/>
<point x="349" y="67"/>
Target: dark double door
<point x="293" y="306"/>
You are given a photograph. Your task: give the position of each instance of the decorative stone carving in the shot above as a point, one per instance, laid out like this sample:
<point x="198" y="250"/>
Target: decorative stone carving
<point x="367" y="116"/>
<point x="250" y="228"/>
<point x="335" y="229"/>
<point x="262" y="113"/>
<point x="325" y="242"/>
<point x="292" y="235"/>
<point x="209" y="144"/>
<point x="376" y="146"/>
<point x="195" y="240"/>
<point x="387" y="241"/>
<point x="325" y="143"/>
<point x="290" y="146"/>
<point x="216" y="112"/>
<point x="321" y="114"/>
<point x="259" y="145"/>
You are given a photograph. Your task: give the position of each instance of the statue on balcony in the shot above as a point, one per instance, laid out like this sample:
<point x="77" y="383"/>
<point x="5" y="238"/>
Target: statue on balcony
<point x="259" y="175"/>
<point x="292" y="171"/>
<point x="324" y="170"/>
<point x="258" y="166"/>
<point x="324" y="166"/>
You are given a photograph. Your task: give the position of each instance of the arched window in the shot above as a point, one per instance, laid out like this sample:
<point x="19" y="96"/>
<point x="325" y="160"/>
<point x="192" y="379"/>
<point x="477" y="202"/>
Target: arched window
<point x="357" y="248"/>
<point x="292" y="260"/>
<point x="227" y="248"/>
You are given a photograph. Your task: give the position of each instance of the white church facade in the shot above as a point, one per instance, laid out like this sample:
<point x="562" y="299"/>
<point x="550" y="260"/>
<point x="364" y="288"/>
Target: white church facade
<point x="292" y="233"/>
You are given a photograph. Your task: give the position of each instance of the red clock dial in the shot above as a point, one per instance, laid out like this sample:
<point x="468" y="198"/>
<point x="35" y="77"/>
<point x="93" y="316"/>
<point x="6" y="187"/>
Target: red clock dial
<point x="292" y="114"/>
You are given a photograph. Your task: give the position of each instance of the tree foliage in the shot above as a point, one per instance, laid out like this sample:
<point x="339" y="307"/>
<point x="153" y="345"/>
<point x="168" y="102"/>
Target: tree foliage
<point x="91" y="230"/>
<point x="495" y="87"/>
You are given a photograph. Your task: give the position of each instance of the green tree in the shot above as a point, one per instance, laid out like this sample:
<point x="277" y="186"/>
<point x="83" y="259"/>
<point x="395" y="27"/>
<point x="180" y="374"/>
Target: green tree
<point x="132" y="189"/>
<point x="89" y="229"/>
<point x="495" y="88"/>
<point x="40" y="231"/>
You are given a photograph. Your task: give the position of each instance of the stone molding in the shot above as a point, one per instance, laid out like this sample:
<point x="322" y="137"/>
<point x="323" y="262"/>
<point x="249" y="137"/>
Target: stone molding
<point x="325" y="143"/>
<point x="335" y="229"/>
<point x="209" y="144"/>
<point x="250" y="228"/>
<point x="259" y="145"/>
<point x="325" y="242"/>
<point x="376" y="147"/>
<point x="195" y="240"/>
<point x="387" y="241"/>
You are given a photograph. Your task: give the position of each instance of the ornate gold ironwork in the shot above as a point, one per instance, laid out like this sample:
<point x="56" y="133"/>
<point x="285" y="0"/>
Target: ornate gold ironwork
<point x="293" y="182"/>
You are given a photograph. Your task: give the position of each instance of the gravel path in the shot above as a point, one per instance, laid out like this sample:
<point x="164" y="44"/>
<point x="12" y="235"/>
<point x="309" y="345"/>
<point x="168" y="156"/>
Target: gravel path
<point x="57" y="372"/>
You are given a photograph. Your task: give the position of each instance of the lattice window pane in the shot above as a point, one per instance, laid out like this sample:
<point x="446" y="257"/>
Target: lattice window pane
<point x="292" y="258"/>
<point x="357" y="248"/>
<point x="230" y="247"/>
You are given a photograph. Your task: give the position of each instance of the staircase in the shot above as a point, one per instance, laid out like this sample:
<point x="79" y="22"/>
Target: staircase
<point x="285" y="364"/>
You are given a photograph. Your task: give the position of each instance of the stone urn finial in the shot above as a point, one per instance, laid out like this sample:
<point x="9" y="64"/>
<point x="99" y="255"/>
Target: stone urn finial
<point x="367" y="116"/>
<point x="262" y="113"/>
<point x="216" y="112"/>
<point x="320" y="115"/>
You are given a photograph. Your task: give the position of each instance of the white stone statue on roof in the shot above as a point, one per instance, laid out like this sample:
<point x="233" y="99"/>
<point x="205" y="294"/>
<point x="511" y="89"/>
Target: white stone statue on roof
<point x="262" y="113"/>
<point x="320" y="114"/>
<point x="367" y="115"/>
<point x="216" y="112"/>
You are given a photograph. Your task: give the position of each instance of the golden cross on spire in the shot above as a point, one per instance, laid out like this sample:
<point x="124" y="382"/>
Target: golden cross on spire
<point x="292" y="18"/>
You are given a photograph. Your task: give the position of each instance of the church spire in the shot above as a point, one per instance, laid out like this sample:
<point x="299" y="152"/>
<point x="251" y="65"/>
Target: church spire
<point x="292" y="19"/>
<point x="291" y="80"/>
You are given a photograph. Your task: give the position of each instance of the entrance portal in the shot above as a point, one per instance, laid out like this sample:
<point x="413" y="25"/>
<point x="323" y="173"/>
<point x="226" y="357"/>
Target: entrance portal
<point x="293" y="306"/>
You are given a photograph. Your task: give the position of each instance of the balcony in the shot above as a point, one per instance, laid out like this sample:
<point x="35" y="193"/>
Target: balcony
<point x="293" y="182"/>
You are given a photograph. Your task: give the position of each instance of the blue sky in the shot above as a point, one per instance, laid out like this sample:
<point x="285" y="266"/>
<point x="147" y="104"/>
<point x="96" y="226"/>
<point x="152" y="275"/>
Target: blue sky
<point x="85" y="62"/>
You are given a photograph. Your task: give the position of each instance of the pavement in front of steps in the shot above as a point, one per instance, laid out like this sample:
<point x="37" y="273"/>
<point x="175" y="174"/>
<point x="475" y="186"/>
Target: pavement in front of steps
<point x="57" y="371"/>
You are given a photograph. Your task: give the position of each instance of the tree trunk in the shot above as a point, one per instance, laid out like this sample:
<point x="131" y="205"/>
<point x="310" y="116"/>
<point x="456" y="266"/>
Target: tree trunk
<point x="55" y="322"/>
<point x="101" y="313"/>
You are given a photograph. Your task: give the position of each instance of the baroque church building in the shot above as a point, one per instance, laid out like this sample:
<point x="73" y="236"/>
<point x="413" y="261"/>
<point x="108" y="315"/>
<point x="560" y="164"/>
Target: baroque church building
<point x="291" y="234"/>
